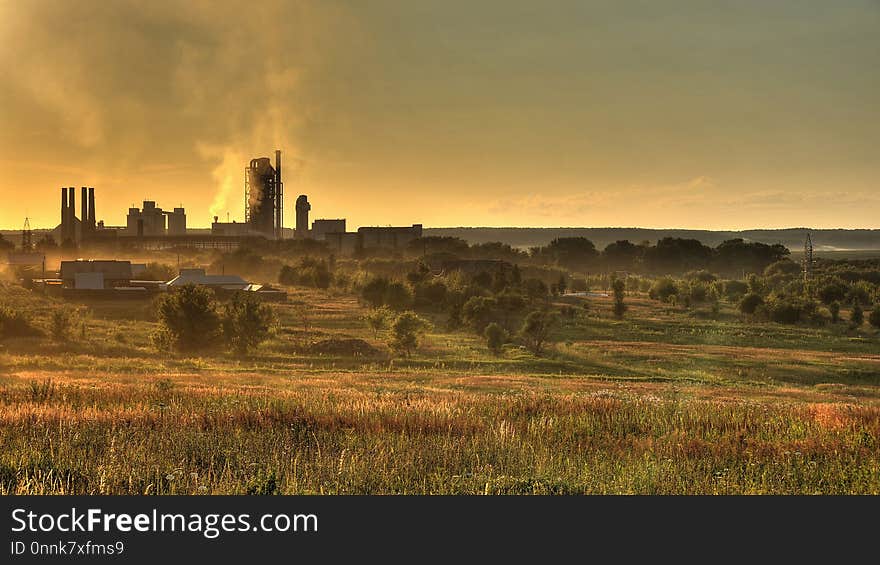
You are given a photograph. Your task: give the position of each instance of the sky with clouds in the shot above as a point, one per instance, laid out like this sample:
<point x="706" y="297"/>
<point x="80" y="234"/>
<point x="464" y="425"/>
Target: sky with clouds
<point x="694" y="114"/>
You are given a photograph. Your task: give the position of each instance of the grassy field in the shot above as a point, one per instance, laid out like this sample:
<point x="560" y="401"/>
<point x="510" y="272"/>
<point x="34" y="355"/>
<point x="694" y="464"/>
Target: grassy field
<point x="665" y="401"/>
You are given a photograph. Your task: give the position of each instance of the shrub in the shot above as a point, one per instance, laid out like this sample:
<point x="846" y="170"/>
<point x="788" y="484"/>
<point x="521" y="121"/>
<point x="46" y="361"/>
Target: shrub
<point x="832" y="292"/>
<point x="430" y="294"/>
<point x="663" y="289"/>
<point x="406" y="331"/>
<point x="374" y="291"/>
<point x="535" y="289"/>
<point x="785" y="310"/>
<point x="750" y="303"/>
<point x="310" y="272"/>
<point x="701" y="275"/>
<point x="62" y="321"/>
<point x="874" y="316"/>
<point x="834" y="308"/>
<point x="857" y="316"/>
<point x="377" y="319"/>
<point x="495" y="338"/>
<point x="188" y="319"/>
<point x="247" y="322"/>
<point x="735" y="290"/>
<point x="14" y="323"/>
<point x="535" y="330"/>
<point x="398" y="296"/>
<point x="478" y="312"/>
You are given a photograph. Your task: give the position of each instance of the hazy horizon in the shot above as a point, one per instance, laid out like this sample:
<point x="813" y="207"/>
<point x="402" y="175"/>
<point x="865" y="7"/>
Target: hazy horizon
<point x="697" y="115"/>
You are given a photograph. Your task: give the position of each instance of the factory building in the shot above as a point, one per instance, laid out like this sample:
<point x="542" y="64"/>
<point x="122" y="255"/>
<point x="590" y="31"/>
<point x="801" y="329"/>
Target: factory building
<point x="74" y="230"/>
<point x="152" y="227"/>
<point x="150" y="221"/>
<point x="177" y="222"/>
<point x="389" y="237"/>
<point x="95" y="275"/>
<point x="342" y="243"/>
<point x="320" y="228"/>
<point x="146" y="221"/>
<point x="264" y="196"/>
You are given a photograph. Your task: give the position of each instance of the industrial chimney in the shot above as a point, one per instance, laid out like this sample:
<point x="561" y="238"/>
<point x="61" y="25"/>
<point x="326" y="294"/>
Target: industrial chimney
<point x="302" y="216"/>
<point x="63" y="233"/>
<point x="279" y="197"/>
<point x="71" y="213"/>
<point x="92" y="222"/>
<point x="84" y="214"/>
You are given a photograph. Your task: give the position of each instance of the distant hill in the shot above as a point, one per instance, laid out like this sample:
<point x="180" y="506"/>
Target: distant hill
<point x="793" y="238"/>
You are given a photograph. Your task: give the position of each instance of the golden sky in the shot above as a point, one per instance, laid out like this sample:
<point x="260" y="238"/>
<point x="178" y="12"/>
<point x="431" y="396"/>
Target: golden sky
<point x="693" y="114"/>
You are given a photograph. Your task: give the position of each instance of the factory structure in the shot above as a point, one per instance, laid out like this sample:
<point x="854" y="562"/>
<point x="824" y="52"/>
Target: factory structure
<point x="151" y="226"/>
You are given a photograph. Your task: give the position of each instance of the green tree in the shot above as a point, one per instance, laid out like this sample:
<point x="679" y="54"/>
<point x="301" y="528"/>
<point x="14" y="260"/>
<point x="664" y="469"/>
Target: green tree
<point x="618" y="287"/>
<point x="247" y="322"/>
<point x="834" y="308"/>
<point x="478" y="312"/>
<point x="188" y="319"/>
<point x="377" y="319"/>
<point x="535" y="331"/>
<point x="406" y="332"/>
<point x="495" y="337"/>
<point x="857" y="316"/>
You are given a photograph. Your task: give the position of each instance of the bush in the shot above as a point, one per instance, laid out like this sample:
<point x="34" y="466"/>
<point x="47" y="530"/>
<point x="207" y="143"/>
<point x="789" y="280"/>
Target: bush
<point x="398" y="296"/>
<point x="750" y="303"/>
<point x="874" y="317"/>
<point x="857" y="316"/>
<point x="834" y="309"/>
<point x="701" y="275"/>
<point x="784" y="310"/>
<point x="310" y="272"/>
<point x="247" y="322"/>
<point x="406" y="332"/>
<point x="495" y="338"/>
<point x="735" y="290"/>
<point x="478" y="312"/>
<point x="374" y="291"/>
<point x="833" y="291"/>
<point x="663" y="289"/>
<point x="535" y="331"/>
<point x="377" y="319"/>
<point x="62" y="321"/>
<point x="188" y="319"/>
<point x="15" y="324"/>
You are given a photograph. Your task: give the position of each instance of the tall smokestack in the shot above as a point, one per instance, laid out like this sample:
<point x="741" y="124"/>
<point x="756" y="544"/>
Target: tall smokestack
<point x="63" y="234"/>
<point x="84" y="212"/>
<point x="71" y="213"/>
<point x="279" y="197"/>
<point x="92" y="208"/>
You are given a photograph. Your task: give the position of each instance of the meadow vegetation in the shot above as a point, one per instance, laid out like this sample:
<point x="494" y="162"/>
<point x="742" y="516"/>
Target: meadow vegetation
<point x="561" y="370"/>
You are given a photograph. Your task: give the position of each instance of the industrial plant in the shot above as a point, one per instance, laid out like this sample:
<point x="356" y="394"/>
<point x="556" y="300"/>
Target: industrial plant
<point x="153" y="227"/>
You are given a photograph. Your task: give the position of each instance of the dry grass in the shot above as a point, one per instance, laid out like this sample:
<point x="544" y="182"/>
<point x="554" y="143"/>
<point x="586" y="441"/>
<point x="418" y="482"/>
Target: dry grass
<point x="659" y="403"/>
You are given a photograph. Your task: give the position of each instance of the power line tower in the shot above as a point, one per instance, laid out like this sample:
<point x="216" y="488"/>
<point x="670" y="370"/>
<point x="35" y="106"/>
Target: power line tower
<point x="27" y="243"/>
<point x="808" y="260"/>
